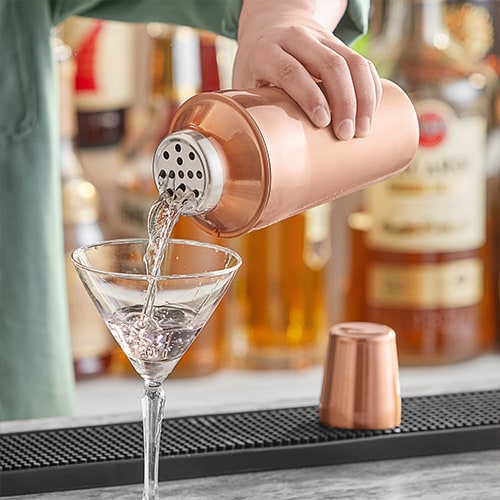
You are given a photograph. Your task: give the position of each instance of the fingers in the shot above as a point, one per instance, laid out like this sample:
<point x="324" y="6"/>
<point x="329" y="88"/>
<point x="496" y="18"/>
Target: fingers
<point x="284" y="71"/>
<point x="298" y="57"/>
<point x="353" y="89"/>
<point x="352" y="86"/>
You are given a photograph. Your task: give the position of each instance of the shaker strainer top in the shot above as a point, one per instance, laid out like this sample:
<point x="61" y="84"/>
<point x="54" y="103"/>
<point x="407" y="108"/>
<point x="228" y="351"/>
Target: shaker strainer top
<point x="187" y="161"/>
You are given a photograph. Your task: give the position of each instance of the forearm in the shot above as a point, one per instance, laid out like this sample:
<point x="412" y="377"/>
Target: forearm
<point x="257" y="13"/>
<point x="330" y="12"/>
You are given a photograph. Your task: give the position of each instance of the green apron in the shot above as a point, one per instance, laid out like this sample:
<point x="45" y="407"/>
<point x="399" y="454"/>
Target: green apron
<point x="36" y="370"/>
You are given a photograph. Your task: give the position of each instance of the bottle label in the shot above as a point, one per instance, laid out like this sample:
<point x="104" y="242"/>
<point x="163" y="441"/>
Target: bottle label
<point x="439" y="202"/>
<point x="104" y="59"/>
<point x="426" y="286"/>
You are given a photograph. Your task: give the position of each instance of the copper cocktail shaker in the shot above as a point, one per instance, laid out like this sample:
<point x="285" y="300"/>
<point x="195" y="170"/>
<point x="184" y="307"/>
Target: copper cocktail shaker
<point x="253" y="158"/>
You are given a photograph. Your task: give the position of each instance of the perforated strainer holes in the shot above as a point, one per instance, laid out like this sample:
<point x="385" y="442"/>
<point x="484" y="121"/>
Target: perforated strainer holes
<point x="180" y="170"/>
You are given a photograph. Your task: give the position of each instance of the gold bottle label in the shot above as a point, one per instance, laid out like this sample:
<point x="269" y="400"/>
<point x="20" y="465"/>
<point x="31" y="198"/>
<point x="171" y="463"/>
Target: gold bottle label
<point x="438" y="204"/>
<point x="426" y="286"/>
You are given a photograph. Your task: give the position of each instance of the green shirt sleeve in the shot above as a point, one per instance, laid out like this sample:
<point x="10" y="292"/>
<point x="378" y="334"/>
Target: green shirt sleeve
<point x="355" y="21"/>
<point x="218" y="16"/>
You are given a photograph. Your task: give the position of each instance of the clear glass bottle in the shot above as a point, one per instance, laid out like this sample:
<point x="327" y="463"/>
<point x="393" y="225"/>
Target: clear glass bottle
<point x="382" y="45"/>
<point x="91" y="342"/>
<point x="428" y="245"/>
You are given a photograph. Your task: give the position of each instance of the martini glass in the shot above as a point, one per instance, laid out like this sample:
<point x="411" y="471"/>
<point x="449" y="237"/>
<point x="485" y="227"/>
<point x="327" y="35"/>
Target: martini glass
<point x="191" y="281"/>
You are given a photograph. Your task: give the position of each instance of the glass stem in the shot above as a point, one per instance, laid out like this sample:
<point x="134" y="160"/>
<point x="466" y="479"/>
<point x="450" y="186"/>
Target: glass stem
<point x="153" y="403"/>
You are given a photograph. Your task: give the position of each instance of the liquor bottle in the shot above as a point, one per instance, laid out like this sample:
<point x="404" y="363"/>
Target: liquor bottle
<point x="428" y="245"/>
<point x="385" y="32"/>
<point x="91" y="342"/>
<point x="105" y="54"/>
<point x="104" y="83"/>
<point x="347" y="274"/>
<point x="476" y="24"/>
<point x="283" y="292"/>
<point x="380" y="43"/>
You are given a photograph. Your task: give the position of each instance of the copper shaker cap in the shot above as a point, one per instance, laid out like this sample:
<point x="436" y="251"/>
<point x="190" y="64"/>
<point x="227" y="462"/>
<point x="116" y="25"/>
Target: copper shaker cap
<point x="360" y="387"/>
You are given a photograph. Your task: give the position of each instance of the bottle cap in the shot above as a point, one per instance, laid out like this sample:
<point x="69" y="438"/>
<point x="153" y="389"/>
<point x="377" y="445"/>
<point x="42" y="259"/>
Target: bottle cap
<point x="361" y="378"/>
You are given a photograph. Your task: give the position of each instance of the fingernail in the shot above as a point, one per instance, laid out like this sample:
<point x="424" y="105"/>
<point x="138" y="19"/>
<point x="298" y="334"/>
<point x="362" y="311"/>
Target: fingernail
<point x="345" y="130"/>
<point x="321" y="117"/>
<point x="363" y="126"/>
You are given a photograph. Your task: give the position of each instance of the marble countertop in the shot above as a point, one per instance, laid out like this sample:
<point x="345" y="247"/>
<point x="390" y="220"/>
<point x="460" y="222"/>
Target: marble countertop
<point x="473" y="475"/>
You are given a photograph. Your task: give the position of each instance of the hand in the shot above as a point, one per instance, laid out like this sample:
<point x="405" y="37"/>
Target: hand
<point x="281" y="43"/>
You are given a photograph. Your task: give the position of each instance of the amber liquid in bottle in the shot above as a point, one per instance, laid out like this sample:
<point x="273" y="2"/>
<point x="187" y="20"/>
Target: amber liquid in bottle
<point x="284" y="291"/>
<point x="476" y="23"/>
<point x="428" y="249"/>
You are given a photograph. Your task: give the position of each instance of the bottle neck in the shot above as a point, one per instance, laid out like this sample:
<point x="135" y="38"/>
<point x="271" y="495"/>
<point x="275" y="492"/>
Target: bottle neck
<point x="69" y="164"/>
<point x="426" y="22"/>
<point x="66" y="69"/>
<point x="79" y="196"/>
<point x="175" y="63"/>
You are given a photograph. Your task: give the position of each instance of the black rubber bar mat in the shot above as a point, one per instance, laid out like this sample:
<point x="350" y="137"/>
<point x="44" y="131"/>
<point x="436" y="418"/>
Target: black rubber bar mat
<point x="197" y="446"/>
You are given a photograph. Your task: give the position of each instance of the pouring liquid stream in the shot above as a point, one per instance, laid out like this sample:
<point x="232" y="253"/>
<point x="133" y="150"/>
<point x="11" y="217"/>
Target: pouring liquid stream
<point x="162" y="218"/>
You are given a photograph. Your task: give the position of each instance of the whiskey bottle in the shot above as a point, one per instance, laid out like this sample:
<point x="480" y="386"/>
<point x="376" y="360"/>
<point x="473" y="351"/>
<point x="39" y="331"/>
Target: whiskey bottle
<point x="91" y="342"/>
<point x="476" y="23"/>
<point x="428" y="245"/>
<point x="105" y="54"/>
<point x="283" y="292"/>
